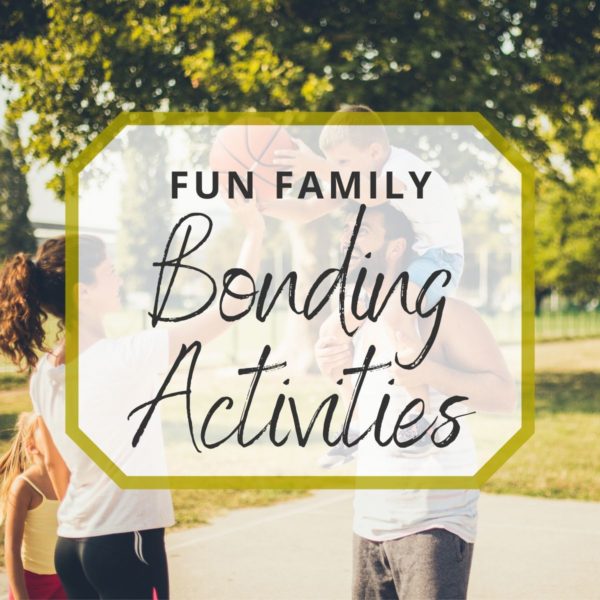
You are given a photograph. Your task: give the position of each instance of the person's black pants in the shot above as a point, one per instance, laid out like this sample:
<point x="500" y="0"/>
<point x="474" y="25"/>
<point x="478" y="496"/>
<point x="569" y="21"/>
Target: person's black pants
<point x="122" y="565"/>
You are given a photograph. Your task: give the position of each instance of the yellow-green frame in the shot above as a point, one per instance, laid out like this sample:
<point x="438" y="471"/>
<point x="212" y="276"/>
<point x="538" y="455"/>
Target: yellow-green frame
<point x="298" y="482"/>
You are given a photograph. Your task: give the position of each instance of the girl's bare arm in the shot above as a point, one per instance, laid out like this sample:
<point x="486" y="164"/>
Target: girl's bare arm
<point x="18" y="501"/>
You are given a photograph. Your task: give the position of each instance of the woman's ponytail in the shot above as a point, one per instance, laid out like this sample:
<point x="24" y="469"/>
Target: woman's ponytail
<point x="29" y="291"/>
<point x="21" y="315"/>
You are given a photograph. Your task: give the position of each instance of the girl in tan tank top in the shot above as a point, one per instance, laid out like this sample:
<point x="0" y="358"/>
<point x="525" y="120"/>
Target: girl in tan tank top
<point x="29" y="505"/>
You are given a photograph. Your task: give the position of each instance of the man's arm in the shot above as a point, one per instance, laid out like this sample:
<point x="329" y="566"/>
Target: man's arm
<point x="472" y="364"/>
<point x="333" y="356"/>
<point x="334" y="351"/>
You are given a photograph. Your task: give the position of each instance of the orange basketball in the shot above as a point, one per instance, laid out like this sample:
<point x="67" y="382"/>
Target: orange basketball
<point x="250" y="147"/>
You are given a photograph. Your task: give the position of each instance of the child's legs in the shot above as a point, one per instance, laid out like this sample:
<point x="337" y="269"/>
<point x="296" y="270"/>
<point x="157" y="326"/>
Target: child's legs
<point x="423" y="267"/>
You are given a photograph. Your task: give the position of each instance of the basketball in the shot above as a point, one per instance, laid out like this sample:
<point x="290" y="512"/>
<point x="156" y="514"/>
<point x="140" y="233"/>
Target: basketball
<point x="250" y="147"/>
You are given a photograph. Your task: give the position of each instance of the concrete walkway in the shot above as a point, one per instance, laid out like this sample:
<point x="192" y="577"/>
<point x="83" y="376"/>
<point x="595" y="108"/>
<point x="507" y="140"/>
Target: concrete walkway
<point x="527" y="548"/>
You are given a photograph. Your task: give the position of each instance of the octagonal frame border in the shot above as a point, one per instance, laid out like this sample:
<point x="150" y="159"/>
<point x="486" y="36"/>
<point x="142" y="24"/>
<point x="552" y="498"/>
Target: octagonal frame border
<point x="509" y="448"/>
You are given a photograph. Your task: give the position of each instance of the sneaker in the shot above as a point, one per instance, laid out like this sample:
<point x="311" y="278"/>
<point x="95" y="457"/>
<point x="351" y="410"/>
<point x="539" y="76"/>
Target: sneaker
<point x="421" y="447"/>
<point x="340" y="454"/>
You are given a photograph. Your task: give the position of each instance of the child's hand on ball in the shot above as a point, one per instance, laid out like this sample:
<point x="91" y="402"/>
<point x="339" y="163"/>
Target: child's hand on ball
<point x="300" y="160"/>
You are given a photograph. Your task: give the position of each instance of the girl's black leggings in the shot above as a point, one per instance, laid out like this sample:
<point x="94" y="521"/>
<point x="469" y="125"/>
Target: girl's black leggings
<point x="121" y="565"/>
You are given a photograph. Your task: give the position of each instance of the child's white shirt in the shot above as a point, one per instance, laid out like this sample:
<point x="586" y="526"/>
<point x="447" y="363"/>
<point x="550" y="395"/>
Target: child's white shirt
<point x="434" y="217"/>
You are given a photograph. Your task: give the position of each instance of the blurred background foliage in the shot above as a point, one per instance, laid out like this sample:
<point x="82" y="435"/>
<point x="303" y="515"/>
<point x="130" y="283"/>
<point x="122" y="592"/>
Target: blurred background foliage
<point x="531" y="67"/>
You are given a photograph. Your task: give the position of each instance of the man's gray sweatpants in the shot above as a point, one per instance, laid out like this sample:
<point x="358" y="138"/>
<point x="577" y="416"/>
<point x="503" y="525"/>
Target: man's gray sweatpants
<point x="432" y="564"/>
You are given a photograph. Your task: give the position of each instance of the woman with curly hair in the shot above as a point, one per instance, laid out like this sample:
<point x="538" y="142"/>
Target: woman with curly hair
<point x="110" y="540"/>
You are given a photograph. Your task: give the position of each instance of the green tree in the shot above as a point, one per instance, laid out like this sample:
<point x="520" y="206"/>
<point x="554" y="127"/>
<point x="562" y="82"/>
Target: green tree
<point x="513" y="61"/>
<point x="568" y="234"/>
<point x="16" y="232"/>
<point x="21" y="18"/>
<point x="522" y="63"/>
<point x="145" y="211"/>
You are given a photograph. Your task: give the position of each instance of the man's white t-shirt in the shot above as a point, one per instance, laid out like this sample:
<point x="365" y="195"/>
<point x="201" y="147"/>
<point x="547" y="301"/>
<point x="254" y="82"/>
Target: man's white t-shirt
<point x="94" y="504"/>
<point x="382" y="515"/>
<point x="434" y="217"/>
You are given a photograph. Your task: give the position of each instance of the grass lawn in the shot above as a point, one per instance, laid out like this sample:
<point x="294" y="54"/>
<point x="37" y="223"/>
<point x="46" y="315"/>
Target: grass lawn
<point x="562" y="459"/>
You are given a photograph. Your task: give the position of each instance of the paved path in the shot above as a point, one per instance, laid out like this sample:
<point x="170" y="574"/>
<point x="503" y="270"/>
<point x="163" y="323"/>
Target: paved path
<point x="527" y="548"/>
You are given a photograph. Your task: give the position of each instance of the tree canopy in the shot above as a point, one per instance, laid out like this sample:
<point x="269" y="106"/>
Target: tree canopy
<point x="79" y="64"/>
<point x="524" y="64"/>
<point x="16" y="232"/>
